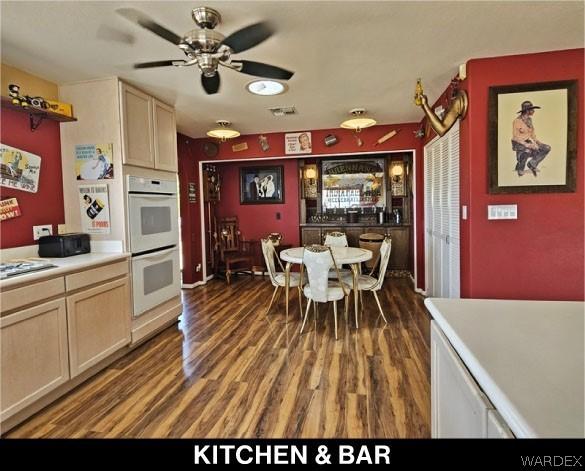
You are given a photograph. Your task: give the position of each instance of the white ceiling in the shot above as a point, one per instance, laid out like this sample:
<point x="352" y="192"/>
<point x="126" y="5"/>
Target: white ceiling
<point x="345" y="54"/>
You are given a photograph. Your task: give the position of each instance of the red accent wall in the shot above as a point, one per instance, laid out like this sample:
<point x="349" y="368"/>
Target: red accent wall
<point x="46" y="205"/>
<point x="258" y="220"/>
<point x="540" y="255"/>
<point x="262" y="218"/>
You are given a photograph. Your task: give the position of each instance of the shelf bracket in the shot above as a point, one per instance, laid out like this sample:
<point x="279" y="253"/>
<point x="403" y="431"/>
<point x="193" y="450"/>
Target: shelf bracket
<point x="35" y="120"/>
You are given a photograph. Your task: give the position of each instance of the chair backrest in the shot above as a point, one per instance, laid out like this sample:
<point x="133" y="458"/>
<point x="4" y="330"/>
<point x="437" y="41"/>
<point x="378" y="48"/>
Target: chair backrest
<point x="229" y="235"/>
<point x="275" y="237"/>
<point x="385" y="250"/>
<point x="318" y="261"/>
<point x="268" y="252"/>
<point x="336" y="239"/>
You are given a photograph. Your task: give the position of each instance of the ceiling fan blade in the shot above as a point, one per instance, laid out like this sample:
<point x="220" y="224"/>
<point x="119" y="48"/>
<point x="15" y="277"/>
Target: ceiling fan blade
<point x="249" y="36"/>
<point x="148" y="65"/>
<point x="262" y="70"/>
<point x="210" y="84"/>
<point x="146" y="22"/>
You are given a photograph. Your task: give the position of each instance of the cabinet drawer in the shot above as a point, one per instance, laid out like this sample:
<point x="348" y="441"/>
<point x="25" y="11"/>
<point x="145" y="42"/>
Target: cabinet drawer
<point x="30" y="294"/>
<point x="34" y="357"/>
<point x="96" y="275"/>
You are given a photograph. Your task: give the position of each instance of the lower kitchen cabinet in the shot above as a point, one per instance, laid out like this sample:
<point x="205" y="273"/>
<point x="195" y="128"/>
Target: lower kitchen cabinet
<point x="459" y="408"/>
<point x="34" y="358"/>
<point x="99" y="323"/>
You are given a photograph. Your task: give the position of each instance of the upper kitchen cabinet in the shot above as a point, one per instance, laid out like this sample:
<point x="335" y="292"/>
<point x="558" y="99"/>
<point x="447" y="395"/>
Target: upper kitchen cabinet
<point x="137" y="127"/>
<point x="165" y="137"/>
<point x="149" y="131"/>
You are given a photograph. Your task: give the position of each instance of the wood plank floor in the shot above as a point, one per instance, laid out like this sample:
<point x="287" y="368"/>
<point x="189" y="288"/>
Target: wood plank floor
<point x="228" y="370"/>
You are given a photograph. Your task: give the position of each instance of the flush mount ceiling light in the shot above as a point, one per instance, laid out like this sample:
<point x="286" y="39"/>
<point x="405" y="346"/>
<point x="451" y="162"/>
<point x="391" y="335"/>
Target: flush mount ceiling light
<point x="266" y="87"/>
<point x="358" y="121"/>
<point x="223" y="132"/>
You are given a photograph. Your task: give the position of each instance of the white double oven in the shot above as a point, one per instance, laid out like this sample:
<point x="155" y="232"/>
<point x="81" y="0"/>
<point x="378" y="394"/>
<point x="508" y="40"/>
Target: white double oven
<point x="153" y="230"/>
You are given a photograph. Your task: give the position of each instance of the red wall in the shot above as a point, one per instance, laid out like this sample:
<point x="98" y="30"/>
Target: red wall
<point x="258" y="220"/>
<point x="190" y="154"/>
<point x="46" y="205"/>
<point x="540" y="255"/>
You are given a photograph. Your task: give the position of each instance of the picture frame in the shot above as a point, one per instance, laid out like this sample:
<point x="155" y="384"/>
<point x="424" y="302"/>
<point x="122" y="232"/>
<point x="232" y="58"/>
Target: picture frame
<point x="262" y="185"/>
<point x="298" y="143"/>
<point x="532" y="141"/>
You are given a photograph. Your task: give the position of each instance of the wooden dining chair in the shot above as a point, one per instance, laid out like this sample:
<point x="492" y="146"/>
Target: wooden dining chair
<point x="318" y="260"/>
<point x="278" y="278"/>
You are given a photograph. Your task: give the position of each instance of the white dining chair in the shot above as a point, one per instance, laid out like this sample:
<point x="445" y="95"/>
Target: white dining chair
<point x="336" y="239"/>
<point x="318" y="260"/>
<point x="371" y="283"/>
<point x="278" y="279"/>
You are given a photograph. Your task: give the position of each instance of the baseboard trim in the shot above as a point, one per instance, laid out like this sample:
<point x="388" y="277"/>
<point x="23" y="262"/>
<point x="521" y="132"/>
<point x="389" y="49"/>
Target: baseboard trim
<point x="192" y="285"/>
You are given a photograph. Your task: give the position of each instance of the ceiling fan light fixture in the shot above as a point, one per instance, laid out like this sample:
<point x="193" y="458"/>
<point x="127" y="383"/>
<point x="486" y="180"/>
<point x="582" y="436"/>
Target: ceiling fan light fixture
<point x="358" y="121"/>
<point x="223" y="132"/>
<point x="266" y="87"/>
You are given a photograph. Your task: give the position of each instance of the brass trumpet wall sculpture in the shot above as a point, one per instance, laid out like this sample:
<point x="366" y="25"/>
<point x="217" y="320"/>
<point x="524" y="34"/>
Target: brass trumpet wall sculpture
<point x="457" y="109"/>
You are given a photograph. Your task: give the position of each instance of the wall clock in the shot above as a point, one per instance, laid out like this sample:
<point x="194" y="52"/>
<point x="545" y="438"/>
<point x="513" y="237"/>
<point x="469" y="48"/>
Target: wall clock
<point x="210" y="149"/>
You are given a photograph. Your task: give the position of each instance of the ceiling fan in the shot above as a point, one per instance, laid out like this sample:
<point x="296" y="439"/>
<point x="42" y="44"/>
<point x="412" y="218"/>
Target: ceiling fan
<point x="209" y="49"/>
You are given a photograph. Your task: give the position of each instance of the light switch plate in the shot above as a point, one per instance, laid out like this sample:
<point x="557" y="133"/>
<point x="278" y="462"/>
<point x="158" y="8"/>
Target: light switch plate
<point x="39" y="231"/>
<point x="464" y="212"/>
<point x="503" y="211"/>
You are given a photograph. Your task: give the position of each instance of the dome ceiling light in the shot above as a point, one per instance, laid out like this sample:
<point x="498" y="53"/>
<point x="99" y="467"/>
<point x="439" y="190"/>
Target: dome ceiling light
<point x="358" y="121"/>
<point x="223" y="132"/>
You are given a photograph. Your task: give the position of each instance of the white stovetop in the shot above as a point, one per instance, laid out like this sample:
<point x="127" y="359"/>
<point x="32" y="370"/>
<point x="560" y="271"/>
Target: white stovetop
<point x="527" y="356"/>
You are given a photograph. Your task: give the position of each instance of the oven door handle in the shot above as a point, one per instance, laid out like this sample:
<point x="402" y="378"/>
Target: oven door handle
<point x="153" y="197"/>
<point x="155" y="255"/>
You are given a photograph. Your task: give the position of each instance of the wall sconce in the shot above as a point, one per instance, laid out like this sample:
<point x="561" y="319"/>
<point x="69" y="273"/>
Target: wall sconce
<point x="457" y="108"/>
<point x="310" y="181"/>
<point x="397" y="178"/>
<point x="311" y="173"/>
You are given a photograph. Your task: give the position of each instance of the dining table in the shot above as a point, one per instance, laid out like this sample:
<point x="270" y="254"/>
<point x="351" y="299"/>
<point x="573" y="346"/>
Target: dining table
<point x="352" y="256"/>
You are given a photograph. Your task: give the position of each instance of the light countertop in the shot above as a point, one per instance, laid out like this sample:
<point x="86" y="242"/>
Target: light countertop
<point x="63" y="265"/>
<point x="527" y="356"/>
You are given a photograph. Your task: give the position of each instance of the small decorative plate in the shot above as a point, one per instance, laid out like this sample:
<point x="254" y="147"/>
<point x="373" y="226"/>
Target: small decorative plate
<point x="210" y="149"/>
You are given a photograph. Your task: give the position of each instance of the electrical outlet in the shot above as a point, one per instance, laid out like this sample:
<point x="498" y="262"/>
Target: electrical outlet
<point x="198" y="267"/>
<point x="277" y="215"/>
<point x="62" y="229"/>
<point x="39" y="231"/>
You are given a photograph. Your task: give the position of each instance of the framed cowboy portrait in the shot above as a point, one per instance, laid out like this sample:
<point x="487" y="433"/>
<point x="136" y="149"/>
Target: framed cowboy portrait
<point x="532" y="138"/>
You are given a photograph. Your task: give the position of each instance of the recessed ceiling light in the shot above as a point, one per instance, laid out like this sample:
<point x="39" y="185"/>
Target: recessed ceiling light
<point x="266" y="87"/>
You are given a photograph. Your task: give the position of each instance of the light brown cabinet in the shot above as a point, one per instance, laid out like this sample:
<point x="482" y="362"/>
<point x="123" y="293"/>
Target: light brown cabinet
<point x="34" y="358"/>
<point x="53" y="330"/>
<point x="165" y="137"/>
<point x="137" y="128"/>
<point x="149" y="130"/>
<point x="98" y="320"/>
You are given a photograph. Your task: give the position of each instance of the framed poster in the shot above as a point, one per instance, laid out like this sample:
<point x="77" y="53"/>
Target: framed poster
<point x="298" y="143"/>
<point x="94" y="161"/>
<point x="533" y="137"/>
<point x="262" y="185"/>
<point x="95" y="209"/>
<point x="19" y="169"/>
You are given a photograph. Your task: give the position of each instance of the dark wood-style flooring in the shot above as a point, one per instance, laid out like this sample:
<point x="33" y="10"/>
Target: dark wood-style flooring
<point x="227" y="370"/>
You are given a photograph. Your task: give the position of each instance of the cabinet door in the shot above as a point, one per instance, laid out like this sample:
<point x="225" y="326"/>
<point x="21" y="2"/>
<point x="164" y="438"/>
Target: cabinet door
<point x="99" y="323"/>
<point x="165" y="137"/>
<point x="400" y="248"/>
<point x="311" y="235"/>
<point x="458" y="406"/>
<point x="496" y="427"/>
<point x="137" y="129"/>
<point x="34" y="355"/>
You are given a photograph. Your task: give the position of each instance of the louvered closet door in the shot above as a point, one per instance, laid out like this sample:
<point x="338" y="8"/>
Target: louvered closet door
<point x="442" y="215"/>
